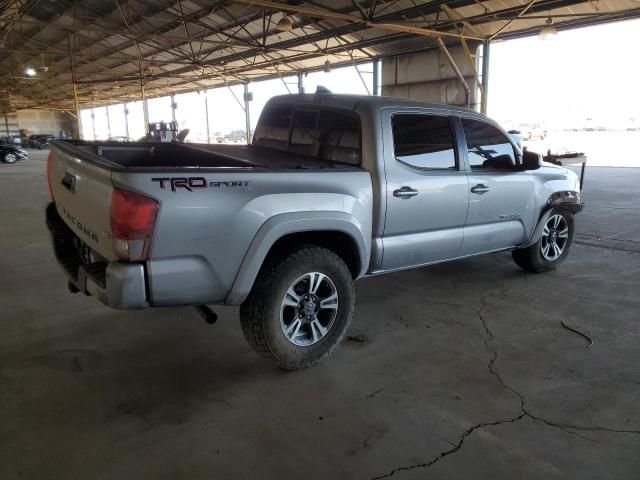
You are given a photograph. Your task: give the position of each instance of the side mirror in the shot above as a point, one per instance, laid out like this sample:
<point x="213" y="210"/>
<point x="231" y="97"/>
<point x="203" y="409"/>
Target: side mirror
<point x="501" y="162"/>
<point x="531" y="160"/>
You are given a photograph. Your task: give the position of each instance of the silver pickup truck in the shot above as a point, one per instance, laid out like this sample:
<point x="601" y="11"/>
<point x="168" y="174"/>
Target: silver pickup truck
<point x="333" y="188"/>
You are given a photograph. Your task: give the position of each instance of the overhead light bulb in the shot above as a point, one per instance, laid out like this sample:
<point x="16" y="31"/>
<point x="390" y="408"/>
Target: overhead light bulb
<point x="548" y="31"/>
<point x="30" y="72"/>
<point x="285" y="24"/>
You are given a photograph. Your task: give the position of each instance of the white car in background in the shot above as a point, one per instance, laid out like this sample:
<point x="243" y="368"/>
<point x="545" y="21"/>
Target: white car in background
<point x="532" y="131"/>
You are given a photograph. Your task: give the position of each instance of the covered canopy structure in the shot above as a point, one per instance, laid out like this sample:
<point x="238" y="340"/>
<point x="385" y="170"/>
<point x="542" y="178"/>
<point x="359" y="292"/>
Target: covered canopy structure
<point x="88" y="53"/>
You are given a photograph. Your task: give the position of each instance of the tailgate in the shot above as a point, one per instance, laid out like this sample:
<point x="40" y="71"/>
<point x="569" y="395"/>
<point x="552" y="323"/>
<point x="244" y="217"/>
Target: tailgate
<point x="82" y="194"/>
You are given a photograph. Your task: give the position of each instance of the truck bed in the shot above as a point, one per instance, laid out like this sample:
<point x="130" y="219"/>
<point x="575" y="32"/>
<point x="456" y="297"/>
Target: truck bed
<point x="193" y="242"/>
<point x="144" y="156"/>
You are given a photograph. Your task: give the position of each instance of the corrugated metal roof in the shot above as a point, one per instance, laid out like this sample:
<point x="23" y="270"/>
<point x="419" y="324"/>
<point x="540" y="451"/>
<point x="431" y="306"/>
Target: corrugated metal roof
<point x="112" y="48"/>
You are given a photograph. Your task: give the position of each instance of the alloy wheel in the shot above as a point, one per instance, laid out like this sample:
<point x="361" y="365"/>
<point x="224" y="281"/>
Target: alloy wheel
<point x="309" y="309"/>
<point x="555" y="236"/>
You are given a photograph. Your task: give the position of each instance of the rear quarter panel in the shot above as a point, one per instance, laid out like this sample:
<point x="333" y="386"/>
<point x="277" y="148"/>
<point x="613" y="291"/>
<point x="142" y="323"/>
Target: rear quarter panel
<point x="202" y="236"/>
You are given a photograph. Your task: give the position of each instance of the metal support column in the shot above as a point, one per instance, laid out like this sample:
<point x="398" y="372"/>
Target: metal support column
<point x="456" y="70"/>
<point x="93" y="123"/>
<point x="173" y="108"/>
<point x="126" y="119"/>
<point x="300" y="82"/>
<point x="485" y="76"/>
<point x="145" y="107"/>
<point x="206" y="113"/>
<point x="75" y="88"/>
<point x="246" y="112"/>
<point x="77" y="106"/>
<point x="376" y="75"/>
<point x="108" y="121"/>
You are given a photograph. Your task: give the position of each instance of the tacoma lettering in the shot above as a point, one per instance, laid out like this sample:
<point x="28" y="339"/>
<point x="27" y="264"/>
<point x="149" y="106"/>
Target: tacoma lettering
<point x="79" y="225"/>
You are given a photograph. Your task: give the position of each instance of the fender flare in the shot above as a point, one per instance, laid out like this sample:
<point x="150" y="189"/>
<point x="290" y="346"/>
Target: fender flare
<point x="568" y="200"/>
<point x="537" y="232"/>
<point x="284" y="224"/>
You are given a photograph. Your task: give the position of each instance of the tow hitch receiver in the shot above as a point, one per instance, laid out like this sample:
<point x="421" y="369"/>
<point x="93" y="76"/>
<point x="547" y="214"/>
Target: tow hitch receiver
<point x="205" y="312"/>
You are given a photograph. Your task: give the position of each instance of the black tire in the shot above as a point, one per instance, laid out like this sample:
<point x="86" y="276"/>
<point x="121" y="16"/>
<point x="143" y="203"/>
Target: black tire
<point x="532" y="259"/>
<point x="10" y="158"/>
<point x="260" y="313"/>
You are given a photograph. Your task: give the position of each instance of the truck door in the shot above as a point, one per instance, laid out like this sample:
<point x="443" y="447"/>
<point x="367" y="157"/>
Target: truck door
<point x="426" y="189"/>
<point x="502" y="197"/>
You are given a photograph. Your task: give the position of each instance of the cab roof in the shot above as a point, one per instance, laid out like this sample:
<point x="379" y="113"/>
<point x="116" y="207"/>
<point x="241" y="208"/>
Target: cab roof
<point x="351" y="102"/>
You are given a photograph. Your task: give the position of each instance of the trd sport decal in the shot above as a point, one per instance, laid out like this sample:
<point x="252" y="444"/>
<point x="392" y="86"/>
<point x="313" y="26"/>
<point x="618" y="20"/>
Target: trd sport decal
<point x="194" y="183"/>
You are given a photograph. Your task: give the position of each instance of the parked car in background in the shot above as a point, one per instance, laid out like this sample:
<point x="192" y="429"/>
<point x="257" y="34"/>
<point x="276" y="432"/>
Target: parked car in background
<point x="11" y="140"/>
<point x="42" y="143"/>
<point x="530" y="131"/>
<point x="11" y="153"/>
<point x="120" y="139"/>
<point x="35" y="138"/>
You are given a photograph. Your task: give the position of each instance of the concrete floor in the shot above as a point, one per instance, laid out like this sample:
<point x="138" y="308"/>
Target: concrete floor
<point x="467" y="372"/>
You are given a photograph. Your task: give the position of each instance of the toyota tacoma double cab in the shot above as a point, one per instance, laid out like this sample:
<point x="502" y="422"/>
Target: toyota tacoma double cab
<point x="333" y="188"/>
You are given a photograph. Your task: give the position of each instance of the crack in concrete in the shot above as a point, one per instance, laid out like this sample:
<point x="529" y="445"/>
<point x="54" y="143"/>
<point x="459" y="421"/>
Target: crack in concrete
<point x="452" y="450"/>
<point x="563" y="426"/>
<point x="588" y="243"/>
<point x="375" y="393"/>
<point x="610" y="237"/>
<point x="524" y="412"/>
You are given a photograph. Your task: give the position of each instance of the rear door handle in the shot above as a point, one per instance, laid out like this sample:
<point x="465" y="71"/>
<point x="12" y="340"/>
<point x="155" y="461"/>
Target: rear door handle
<point x="405" y="192"/>
<point x="480" y="189"/>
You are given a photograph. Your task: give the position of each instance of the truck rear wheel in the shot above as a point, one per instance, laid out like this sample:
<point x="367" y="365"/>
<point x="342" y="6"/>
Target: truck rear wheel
<point x="553" y="246"/>
<point x="299" y="308"/>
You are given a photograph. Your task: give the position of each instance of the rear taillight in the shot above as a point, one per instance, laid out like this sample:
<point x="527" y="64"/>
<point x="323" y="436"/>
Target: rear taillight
<point x="133" y="217"/>
<point x="49" y="160"/>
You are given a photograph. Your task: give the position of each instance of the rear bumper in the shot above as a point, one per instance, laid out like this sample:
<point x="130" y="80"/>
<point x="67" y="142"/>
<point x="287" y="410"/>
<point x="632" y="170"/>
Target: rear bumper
<point x="116" y="284"/>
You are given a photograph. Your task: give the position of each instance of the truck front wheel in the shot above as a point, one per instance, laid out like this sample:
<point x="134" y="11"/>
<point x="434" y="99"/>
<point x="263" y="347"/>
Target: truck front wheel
<point x="299" y="308"/>
<point x="552" y="248"/>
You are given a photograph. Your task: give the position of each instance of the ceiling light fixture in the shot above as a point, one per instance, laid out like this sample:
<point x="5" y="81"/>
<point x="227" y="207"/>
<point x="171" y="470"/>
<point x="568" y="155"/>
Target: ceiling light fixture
<point x="285" y="24"/>
<point x="548" y="31"/>
<point x="30" y="72"/>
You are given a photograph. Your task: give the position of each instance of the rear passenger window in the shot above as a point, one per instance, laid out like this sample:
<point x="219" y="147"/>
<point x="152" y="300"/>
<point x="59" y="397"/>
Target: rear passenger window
<point x="273" y="128"/>
<point x="488" y="148"/>
<point x="303" y="131"/>
<point x="339" y="136"/>
<point x="423" y="141"/>
<point x="312" y="131"/>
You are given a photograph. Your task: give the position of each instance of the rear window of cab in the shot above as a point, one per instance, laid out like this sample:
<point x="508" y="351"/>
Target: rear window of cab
<point x="325" y="134"/>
